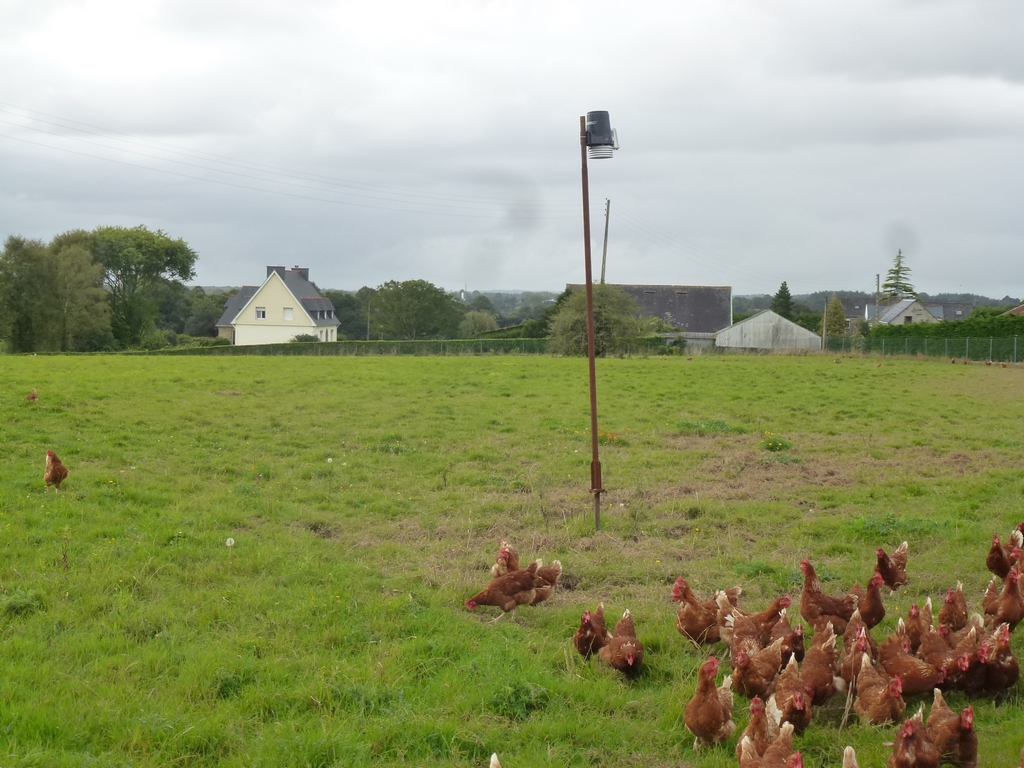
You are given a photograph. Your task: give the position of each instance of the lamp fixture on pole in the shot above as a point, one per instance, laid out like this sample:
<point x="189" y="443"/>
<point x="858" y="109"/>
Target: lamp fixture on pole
<point x="597" y="139"/>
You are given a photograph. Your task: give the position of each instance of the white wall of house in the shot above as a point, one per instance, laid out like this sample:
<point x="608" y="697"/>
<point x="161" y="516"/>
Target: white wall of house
<point x="283" y="316"/>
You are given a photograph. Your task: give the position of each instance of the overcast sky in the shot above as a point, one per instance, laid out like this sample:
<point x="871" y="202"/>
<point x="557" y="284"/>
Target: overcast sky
<point x="761" y="141"/>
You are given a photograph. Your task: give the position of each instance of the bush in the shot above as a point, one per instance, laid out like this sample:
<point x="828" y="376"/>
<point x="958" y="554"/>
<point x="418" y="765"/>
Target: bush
<point x="305" y="337"/>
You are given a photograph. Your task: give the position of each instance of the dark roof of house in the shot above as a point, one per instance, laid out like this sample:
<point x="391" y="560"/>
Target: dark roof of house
<point x="298" y="283"/>
<point x="693" y="308"/>
<point x="856" y="306"/>
<point x="950" y="310"/>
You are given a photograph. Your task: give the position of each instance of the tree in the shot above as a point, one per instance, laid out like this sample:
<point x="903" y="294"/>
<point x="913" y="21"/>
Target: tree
<point x="782" y="302"/>
<point x="414" y="309"/>
<point x="206" y="311"/>
<point x="897" y="280"/>
<point x="27" y="277"/>
<point x="835" y="318"/>
<point x="134" y="261"/>
<point x="476" y="322"/>
<point x="81" y="310"/>
<point x="617" y="323"/>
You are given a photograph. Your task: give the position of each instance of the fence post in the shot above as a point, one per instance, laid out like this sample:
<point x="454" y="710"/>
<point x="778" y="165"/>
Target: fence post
<point x="989" y="347"/>
<point x="967" y="349"/>
<point x="926" y="346"/>
<point x="906" y="345"/>
<point x="946" y="347"/>
<point x="1015" y="349"/>
<point x="883" y="345"/>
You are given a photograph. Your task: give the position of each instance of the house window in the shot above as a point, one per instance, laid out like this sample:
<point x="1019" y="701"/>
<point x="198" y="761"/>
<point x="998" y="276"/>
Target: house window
<point x="287" y="313"/>
<point x="908" y="320"/>
<point x="261" y="313"/>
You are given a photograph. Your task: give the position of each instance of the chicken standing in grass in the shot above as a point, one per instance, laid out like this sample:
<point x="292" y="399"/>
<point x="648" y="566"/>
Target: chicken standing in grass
<point x="1008" y="607"/>
<point x="708" y="715"/>
<point x="32" y="396"/>
<point x="695" y="619"/>
<point x="818" y="609"/>
<point x="761" y="731"/>
<point x="893" y="568"/>
<point x="913" y="747"/>
<point x="624" y="651"/>
<point x="506" y="560"/>
<point x="953" y="613"/>
<point x="56" y="473"/>
<point x="953" y="734"/>
<point x="879" y="698"/>
<point x="507" y="592"/>
<point x="592" y="635"/>
<point x="546" y="580"/>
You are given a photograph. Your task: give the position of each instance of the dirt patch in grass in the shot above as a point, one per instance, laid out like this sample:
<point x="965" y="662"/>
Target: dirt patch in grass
<point x="227" y="392"/>
<point x="321" y="530"/>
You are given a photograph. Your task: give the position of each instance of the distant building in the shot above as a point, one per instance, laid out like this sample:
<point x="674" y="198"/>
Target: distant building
<point x="767" y="330"/>
<point x="692" y="309"/>
<point x="285" y="306"/>
<point x="906" y="312"/>
<point x="857" y="308"/>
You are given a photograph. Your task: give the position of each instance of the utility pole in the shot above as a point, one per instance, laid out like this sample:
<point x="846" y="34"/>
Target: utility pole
<point x="604" y="251"/>
<point x="878" y="290"/>
<point x="824" y="326"/>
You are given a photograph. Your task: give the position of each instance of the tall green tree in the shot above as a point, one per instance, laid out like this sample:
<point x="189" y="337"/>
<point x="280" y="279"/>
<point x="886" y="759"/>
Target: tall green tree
<point x="134" y="260"/>
<point x="81" y="310"/>
<point x="476" y="322"/>
<point x="617" y="323"/>
<point x="897" y="280"/>
<point x="835" y="318"/>
<point x="415" y="309"/>
<point x="27" y="277"/>
<point x="782" y="302"/>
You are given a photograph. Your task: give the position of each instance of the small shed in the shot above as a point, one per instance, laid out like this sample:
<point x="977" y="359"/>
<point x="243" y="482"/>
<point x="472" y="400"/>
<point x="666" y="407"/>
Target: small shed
<point x="767" y="330"/>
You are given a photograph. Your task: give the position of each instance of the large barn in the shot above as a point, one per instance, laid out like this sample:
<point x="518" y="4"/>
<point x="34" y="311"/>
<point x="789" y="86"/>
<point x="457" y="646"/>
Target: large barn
<point x="767" y="330"/>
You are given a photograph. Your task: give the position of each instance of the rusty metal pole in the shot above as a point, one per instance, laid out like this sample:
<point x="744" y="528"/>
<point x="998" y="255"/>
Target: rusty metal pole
<point x="595" y="462"/>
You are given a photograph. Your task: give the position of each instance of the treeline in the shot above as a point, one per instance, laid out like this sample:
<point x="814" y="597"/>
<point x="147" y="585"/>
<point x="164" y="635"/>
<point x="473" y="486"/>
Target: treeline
<point x="985" y="324"/>
<point x="102" y="290"/>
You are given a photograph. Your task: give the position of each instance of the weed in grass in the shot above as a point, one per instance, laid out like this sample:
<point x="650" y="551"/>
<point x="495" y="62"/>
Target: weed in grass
<point x="772" y="442"/>
<point x="702" y="428"/>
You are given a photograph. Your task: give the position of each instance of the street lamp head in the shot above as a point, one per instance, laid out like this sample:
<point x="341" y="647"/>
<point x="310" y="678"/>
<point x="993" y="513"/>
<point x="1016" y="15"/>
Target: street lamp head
<point x="601" y="137"/>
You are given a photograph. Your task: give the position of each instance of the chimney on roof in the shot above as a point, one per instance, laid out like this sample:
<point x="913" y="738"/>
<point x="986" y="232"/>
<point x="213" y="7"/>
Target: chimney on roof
<point x="302" y="272"/>
<point x="272" y="270"/>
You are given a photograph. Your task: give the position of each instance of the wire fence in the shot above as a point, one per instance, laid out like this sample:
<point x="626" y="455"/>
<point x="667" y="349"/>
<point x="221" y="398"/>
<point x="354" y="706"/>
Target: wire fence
<point x="392" y="348"/>
<point x="1008" y="349"/>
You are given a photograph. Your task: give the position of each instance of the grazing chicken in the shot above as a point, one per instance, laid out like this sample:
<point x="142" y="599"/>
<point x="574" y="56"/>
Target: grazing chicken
<point x="697" y="620"/>
<point x="506" y="560"/>
<point x="817" y="608"/>
<point x="32" y="396"/>
<point x="762" y="623"/>
<point x="1001" y="557"/>
<point x="791" y="702"/>
<point x="507" y="592"/>
<point x="893" y="568"/>
<point x="780" y="752"/>
<point x="592" y="635"/>
<point x="913" y="747"/>
<point x="953" y="613"/>
<point x="879" y="699"/>
<point x="916" y="675"/>
<point x="792" y="639"/>
<point x="708" y="715"/>
<point x="919" y="623"/>
<point x="850" y="758"/>
<point x="56" y="473"/>
<point x="1008" y="608"/>
<point x="1002" y="670"/>
<point x="624" y="651"/>
<point x="754" y="675"/>
<point x="869" y="601"/>
<point x="821" y="668"/>
<point x="760" y="732"/>
<point x="546" y="580"/>
<point x="953" y="735"/>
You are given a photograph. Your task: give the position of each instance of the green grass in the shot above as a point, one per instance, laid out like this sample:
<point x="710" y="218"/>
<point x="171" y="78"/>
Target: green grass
<point x="334" y="633"/>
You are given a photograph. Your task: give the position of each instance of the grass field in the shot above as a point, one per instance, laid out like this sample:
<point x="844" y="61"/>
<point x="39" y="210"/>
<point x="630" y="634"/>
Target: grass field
<point x="365" y="497"/>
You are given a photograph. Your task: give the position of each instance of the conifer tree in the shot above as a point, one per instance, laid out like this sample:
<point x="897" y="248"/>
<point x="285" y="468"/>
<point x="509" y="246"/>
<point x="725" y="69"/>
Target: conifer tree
<point x="897" y="280"/>
<point x="782" y="302"/>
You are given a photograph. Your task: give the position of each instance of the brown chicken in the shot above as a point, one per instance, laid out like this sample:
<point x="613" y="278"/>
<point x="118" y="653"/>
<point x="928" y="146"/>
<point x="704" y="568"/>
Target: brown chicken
<point x="708" y="715"/>
<point x="546" y="580"/>
<point x="762" y="622"/>
<point x="893" y="568"/>
<point x="698" y="620"/>
<point x="56" y="473"/>
<point x="592" y="635"/>
<point x="1008" y="608"/>
<point x="754" y="675"/>
<point x="506" y="560"/>
<point x="853" y="653"/>
<point x="821" y="668"/>
<point x="1001" y="557"/>
<point x="780" y="751"/>
<point x="869" y="601"/>
<point x="624" y="651"/>
<point x="1002" y="670"/>
<point x="879" y="698"/>
<point x="791" y="703"/>
<point x="913" y="747"/>
<point x="792" y="639"/>
<point x="760" y="732"/>
<point x="954" y="735"/>
<point x="919" y="623"/>
<point x="32" y="396"/>
<point x="954" y="608"/>
<point x="513" y="589"/>
<point x="935" y="650"/>
<point x="853" y="628"/>
<point x="916" y="675"/>
<point x="818" y="609"/>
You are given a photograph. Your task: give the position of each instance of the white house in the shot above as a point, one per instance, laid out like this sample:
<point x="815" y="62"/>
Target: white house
<point x="767" y="330"/>
<point x="285" y="306"/>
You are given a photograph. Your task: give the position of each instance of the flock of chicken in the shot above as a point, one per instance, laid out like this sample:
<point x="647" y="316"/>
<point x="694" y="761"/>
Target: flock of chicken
<point x="785" y="679"/>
